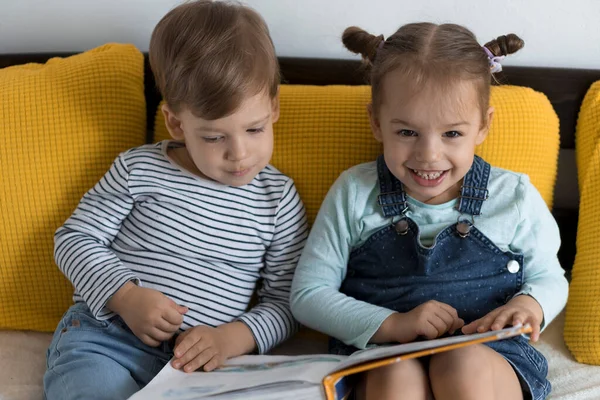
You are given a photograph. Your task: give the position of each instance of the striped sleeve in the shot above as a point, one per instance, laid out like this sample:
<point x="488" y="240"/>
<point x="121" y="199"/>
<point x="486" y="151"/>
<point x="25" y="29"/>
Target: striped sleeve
<point x="271" y="321"/>
<point x="82" y="245"/>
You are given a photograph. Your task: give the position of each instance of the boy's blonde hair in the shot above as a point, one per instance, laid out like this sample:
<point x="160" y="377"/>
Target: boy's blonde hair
<point x="208" y="56"/>
<point x="426" y="51"/>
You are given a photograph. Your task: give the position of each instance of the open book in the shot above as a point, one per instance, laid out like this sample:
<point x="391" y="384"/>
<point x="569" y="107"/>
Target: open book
<point x="320" y="376"/>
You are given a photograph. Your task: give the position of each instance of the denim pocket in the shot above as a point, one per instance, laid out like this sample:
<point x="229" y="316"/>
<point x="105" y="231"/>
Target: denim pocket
<point x="86" y="321"/>
<point x="535" y="357"/>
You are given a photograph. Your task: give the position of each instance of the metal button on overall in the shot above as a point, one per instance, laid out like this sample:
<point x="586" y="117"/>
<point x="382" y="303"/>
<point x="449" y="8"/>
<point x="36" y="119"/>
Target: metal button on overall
<point x="513" y="266"/>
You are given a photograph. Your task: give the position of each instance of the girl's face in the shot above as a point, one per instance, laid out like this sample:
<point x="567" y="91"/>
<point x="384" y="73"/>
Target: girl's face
<point x="429" y="136"/>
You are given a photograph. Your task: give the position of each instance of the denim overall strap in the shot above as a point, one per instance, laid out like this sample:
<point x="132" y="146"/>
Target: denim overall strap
<point x="474" y="189"/>
<point x="391" y="191"/>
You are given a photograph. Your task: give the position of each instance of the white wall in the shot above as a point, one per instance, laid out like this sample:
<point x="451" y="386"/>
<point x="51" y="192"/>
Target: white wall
<point x="556" y="32"/>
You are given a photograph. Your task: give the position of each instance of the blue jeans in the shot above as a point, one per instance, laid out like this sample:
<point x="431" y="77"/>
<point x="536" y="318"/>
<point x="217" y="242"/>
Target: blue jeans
<point x="91" y="359"/>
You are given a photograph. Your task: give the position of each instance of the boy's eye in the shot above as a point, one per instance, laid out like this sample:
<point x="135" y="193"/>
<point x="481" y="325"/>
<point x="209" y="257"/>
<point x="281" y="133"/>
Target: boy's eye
<point x="452" y="134"/>
<point x="407" y="133"/>
<point x="256" y="130"/>
<point x="212" y="139"/>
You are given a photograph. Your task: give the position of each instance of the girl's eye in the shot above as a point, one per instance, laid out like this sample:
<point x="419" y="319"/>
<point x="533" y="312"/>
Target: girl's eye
<point x="256" y="130"/>
<point x="407" y="133"/>
<point x="452" y="134"/>
<point x="214" y="139"/>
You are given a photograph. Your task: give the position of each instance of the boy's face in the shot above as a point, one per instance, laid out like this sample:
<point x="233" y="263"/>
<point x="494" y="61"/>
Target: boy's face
<point x="231" y="150"/>
<point x="429" y="138"/>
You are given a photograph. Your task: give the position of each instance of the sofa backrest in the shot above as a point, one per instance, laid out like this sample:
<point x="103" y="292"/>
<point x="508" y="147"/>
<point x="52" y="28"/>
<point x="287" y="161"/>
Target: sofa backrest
<point x="565" y="88"/>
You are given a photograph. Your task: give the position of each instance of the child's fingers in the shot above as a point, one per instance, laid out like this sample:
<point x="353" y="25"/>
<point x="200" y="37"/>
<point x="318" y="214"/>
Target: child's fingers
<point x="482" y="324"/>
<point x="535" y="328"/>
<point x="188" y="356"/>
<point x="458" y="323"/>
<point x="449" y="309"/>
<point x="214" y="362"/>
<point x="171" y="315"/>
<point x="182" y="309"/>
<point x="519" y="318"/>
<point x="190" y="340"/>
<point x="502" y="319"/>
<point x="147" y="339"/>
<point x="453" y="321"/>
<point x="179" y="308"/>
<point x="430" y="329"/>
<point x="535" y="334"/>
<point x="486" y="322"/>
<point x="435" y="327"/>
<point x="165" y="326"/>
<point x="471" y="327"/>
<point x="201" y="359"/>
<point x="447" y="317"/>
<point x="159" y="335"/>
<point x="182" y="336"/>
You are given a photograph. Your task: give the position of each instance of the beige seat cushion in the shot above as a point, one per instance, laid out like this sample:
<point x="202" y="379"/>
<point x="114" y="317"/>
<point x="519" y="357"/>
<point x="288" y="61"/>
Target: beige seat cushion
<point x="22" y="364"/>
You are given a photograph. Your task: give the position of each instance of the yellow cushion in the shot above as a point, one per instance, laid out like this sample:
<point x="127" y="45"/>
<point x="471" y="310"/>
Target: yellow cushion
<point x="588" y="130"/>
<point x="324" y="130"/>
<point x="63" y="123"/>
<point x="524" y="136"/>
<point x="582" y="323"/>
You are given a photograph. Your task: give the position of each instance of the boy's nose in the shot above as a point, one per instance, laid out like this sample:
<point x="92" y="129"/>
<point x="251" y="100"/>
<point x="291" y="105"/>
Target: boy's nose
<point x="237" y="150"/>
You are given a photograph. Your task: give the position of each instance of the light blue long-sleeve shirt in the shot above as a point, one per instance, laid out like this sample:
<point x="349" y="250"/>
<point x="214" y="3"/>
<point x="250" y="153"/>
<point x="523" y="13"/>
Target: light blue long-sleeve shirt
<point x="515" y="218"/>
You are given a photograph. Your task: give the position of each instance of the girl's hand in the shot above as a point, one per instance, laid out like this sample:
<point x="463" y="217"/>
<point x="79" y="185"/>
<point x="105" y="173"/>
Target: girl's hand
<point x="431" y="320"/>
<point x="520" y="310"/>
<point x="208" y="347"/>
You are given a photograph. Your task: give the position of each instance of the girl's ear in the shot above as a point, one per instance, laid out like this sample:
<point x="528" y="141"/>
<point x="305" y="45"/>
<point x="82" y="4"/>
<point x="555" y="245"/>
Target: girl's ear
<point x="172" y="122"/>
<point x="483" y="132"/>
<point x="375" y="124"/>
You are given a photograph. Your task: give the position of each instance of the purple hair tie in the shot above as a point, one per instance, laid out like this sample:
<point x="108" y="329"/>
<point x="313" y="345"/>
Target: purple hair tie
<point x="493" y="60"/>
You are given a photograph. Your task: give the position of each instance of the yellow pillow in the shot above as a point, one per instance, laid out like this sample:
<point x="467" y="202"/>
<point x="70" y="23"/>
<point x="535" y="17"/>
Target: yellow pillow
<point x="63" y="123"/>
<point x="588" y="130"/>
<point x="524" y="136"/>
<point x="582" y="323"/>
<point x="324" y="130"/>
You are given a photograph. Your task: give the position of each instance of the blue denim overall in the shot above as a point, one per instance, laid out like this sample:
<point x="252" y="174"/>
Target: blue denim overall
<point x="462" y="268"/>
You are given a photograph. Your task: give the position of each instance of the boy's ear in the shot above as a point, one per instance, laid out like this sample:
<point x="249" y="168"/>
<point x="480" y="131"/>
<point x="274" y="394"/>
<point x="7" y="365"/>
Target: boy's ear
<point x="275" y="108"/>
<point x="375" y="124"/>
<point x="172" y="122"/>
<point x="483" y="132"/>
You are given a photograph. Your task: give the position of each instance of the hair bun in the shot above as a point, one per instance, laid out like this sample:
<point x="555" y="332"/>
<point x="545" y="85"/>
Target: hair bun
<point x="505" y="45"/>
<point x="361" y="42"/>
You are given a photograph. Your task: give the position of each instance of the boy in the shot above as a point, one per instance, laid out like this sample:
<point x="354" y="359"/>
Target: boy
<point x="176" y="235"/>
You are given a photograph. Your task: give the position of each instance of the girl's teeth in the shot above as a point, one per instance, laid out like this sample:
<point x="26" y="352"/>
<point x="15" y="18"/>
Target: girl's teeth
<point x="428" y="176"/>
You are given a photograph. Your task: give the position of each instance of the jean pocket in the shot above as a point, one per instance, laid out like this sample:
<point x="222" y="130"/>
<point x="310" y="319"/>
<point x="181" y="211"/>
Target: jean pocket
<point x="536" y="358"/>
<point x="86" y="321"/>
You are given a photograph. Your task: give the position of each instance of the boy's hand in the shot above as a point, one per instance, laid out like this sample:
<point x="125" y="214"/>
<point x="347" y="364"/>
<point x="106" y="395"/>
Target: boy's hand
<point x="151" y="316"/>
<point x="204" y="346"/>
<point x="519" y="310"/>
<point x="431" y="320"/>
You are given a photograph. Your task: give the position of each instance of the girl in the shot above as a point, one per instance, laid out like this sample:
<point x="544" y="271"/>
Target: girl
<point x="430" y="239"/>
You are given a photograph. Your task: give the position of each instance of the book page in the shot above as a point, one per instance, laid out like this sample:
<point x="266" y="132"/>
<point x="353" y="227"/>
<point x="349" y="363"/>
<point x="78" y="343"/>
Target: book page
<point x="381" y="352"/>
<point x="299" y="377"/>
<point x="247" y="377"/>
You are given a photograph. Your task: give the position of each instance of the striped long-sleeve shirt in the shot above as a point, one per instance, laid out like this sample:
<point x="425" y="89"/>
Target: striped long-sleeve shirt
<point x="203" y="244"/>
